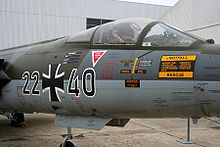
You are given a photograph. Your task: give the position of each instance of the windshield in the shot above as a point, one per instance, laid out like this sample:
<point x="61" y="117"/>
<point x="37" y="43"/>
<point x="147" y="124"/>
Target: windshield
<point x="161" y="35"/>
<point x="120" y="32"/>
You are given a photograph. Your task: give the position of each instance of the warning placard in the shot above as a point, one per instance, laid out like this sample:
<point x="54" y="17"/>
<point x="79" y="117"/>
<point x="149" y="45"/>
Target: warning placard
<point x="176" y="74"/>
<point x="179" y="58"/>
<point x="177" y="66"/>
<point x="96" y="56"/>
<point x="134" y="83"/>
<point x="125" y="71"/>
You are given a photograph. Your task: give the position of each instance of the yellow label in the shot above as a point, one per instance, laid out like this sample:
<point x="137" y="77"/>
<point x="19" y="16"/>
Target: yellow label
<point x="179" y="58"/>
<point x="125" y="71"/>
<point x="177" y="66"/>
<point x="175" y="74"/>
<point x="132" y="83"/>
<point x="140" y="71"/>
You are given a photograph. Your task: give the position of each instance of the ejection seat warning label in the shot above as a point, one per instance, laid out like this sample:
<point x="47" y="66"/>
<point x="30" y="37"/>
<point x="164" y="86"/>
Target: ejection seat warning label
<point x="177" y="67"/>
<point x="133" y="83"/>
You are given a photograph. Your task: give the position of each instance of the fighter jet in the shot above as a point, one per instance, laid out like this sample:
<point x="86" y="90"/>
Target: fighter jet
<point x="129" y="68"/>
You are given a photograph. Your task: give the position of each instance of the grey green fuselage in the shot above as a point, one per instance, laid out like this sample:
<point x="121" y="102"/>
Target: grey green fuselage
<point x="153" y="96"/>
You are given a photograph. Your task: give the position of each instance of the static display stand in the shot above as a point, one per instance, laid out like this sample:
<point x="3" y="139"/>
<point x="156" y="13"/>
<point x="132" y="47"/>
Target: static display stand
<point x="188" y="140"/>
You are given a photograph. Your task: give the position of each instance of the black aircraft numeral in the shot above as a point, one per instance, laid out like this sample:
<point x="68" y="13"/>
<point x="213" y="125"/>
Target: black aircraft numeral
<point x="89" y="76"/>
<point x="73" y="81"/>
<point x="88" y="83"/>
<point x="34" y="76"/>
<point x="89" y="73"/>
<point x="26" y="77"/>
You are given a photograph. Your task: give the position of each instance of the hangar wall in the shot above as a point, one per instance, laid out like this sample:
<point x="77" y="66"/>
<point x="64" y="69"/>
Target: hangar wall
<point x="199" y="17"/>
<point x="27" y="21"/>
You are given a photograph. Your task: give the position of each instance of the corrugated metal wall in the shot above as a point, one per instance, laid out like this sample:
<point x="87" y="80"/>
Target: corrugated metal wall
<point x="28" y="21"/>
<point x="200" y="17"/>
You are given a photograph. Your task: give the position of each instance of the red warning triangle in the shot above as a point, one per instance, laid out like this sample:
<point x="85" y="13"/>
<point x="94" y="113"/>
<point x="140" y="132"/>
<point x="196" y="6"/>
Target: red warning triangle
<point x="96" y="56"/>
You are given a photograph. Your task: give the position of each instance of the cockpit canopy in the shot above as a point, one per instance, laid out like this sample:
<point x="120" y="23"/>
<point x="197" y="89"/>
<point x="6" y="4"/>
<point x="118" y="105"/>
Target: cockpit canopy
<point x="124" y="31"/>
<point x="138" y="31"/>
<point x="161" y="35"/>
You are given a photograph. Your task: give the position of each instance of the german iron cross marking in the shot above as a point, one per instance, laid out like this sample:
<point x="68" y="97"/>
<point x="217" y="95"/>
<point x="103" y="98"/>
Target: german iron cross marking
<point x="53" y="82"/>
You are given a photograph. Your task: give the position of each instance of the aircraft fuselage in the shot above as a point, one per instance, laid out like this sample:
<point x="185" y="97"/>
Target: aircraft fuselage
<point x="60" y="78"/>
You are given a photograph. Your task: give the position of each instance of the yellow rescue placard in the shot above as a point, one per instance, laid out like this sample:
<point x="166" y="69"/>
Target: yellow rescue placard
<point x="177" y="66"/>
<point x="176" y="74"/>
<point x="179" y="58"/>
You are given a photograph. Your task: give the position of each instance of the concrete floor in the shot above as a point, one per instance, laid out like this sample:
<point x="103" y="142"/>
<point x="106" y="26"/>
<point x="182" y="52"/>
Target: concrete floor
<point x="40" y="132"/>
